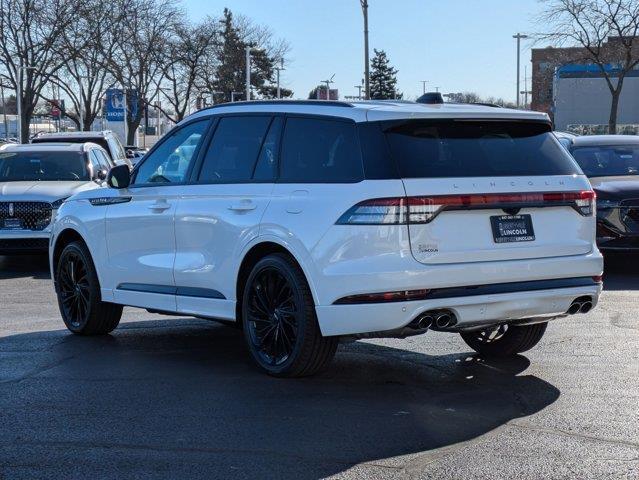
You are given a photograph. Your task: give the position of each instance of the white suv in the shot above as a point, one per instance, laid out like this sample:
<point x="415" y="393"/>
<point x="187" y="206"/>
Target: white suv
<point x="304" y="222"/>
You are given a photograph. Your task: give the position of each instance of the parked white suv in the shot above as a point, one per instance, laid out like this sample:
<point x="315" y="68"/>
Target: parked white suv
<point x="304" y="222"/>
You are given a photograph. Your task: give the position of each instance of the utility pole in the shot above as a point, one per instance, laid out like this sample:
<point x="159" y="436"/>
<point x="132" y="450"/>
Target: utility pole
<point x="519" y="38"/>
<point x="367" y="89"/>
<point x="278" y="69"/>
<point x="328" y="86"/>
<point x="424" y="82"/>
<point x="359" y="91"/>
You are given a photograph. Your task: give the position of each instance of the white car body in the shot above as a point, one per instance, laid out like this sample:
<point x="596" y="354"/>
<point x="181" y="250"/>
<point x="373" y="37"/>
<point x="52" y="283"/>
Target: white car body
<point x="180" y="248"/>
<point x="43" y="196"/>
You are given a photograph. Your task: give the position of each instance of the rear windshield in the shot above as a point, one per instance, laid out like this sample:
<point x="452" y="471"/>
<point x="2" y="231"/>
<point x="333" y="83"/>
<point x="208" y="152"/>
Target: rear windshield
<point x="97" y="140"/>
<point x="427" y="149"/>
<point x="42" y="166"/>
<point x="604" y="161"/>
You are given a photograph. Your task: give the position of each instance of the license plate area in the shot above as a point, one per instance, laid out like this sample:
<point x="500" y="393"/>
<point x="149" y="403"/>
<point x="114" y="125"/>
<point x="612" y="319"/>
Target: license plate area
<point x="12" y="224"/>
<point x="512" y="228"/>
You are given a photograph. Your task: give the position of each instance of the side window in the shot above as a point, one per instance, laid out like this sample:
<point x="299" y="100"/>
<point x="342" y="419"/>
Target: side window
<point x="105" y="163"/>
<point x="232" y="154"/>
<point x="266" y="167"/>
<point x="170" y="162"/>
<point x="95" y="161"/>
<point x="320" y="151"/>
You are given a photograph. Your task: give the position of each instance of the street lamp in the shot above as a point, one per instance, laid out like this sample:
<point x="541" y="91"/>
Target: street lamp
<point x="367" y="90"/>
<point x="248" y="70"/>
<point x="519" y="38"/>
<point x="21" y="68"/>
<point x="278" y="69"/>
<point x="424" y="82"/>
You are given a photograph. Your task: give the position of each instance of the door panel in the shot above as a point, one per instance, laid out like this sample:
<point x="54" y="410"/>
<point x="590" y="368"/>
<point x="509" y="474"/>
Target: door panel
<point x="217" y="217"/>
<point x="140" y="233"/>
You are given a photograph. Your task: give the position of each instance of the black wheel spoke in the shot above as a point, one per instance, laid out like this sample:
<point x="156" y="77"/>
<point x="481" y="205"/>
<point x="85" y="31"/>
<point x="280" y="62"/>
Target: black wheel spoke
<point x="75" y="289"/>
<point x="271" y="317"/>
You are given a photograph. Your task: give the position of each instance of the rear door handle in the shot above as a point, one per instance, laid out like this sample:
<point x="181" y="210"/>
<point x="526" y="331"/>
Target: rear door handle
<point x="243" y="206"/>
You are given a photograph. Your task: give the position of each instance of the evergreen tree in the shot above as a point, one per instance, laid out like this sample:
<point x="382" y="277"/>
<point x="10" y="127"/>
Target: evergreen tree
<point x="383" y="79"/>
<point x="232" y="62"/>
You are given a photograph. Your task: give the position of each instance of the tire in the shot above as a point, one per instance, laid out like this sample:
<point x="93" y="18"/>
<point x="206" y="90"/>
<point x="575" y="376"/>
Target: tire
<point x="279" y="321"/>
<point x="505" y="340"/>
<point x="79" y="298"/>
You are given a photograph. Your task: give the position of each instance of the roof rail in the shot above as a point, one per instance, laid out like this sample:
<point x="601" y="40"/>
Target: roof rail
<point x="321" y="103"/>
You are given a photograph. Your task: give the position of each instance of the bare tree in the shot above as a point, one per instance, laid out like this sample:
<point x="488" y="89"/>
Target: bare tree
<point x="30" y="34"/>
<point x="137" y="61"/>
<point x="187" y="51"/>
<point x="86" y="48"/>
<point x="607" y="32"/>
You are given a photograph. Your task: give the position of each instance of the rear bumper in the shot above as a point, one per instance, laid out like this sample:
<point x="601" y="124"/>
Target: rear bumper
<point x="470" y="310"/>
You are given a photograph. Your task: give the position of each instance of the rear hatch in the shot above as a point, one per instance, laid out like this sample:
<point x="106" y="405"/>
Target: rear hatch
<point x="483" y="190"/>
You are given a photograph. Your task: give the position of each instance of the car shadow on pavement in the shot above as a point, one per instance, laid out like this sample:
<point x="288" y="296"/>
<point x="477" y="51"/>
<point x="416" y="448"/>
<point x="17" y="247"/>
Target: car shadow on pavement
<point x="621" y="271"/>
<point x="181" y="399"/>
<point x="24" y="266"/>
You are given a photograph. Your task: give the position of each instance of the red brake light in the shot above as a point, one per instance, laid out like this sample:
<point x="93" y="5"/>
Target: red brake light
<point x="403" y="210"/>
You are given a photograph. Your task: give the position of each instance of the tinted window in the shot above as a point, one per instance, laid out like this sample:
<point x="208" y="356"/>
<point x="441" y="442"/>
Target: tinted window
<point x="378" y="163"/>
<point x="232" y="154"/>
<point x="608" y="160"/>
<point x="425" y="149"/>
<point x="266" y="167"/>
<point x="170" y="162"/>
<point x="320" y="151"/>
<point x="43" y="166"/>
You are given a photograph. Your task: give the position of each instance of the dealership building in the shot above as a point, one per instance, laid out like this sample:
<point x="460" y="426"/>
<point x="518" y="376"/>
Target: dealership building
<point x="574" y="92"/>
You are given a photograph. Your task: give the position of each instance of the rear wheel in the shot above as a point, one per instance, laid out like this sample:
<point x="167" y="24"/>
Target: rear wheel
<point x="79" y="295"/>
<point x="279" y="320"/>
<point x="505" y="340"/>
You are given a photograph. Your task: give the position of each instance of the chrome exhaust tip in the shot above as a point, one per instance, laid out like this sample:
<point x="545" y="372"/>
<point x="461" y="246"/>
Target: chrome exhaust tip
<point x="585" y="307"/>
<point x="425" y="322"/>
<point x="444" y="320"/>
<point x="575" y="307"/>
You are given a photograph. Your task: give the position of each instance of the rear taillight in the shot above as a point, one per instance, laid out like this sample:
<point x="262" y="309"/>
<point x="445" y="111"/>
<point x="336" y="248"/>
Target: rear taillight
<point x="416" y="210"/>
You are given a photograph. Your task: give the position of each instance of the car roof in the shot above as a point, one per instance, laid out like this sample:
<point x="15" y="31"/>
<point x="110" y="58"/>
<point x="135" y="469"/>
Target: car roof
<point x="48" y="147"/>
<point x="600" y="140"/>
<point x="93" y="134"/>
<point x="373" y="110"/>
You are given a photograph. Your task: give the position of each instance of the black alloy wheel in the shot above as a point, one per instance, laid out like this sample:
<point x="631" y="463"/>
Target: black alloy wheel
<point x="74" y="289"/>
<point x="272" y="316"/>
<point x="279" y="320"/>
<point x="79" y="296"/>
<point x="505" y="340"/>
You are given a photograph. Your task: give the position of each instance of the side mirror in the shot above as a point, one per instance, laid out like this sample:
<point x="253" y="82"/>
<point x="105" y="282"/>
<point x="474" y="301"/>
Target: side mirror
<point x="119" y="177"/>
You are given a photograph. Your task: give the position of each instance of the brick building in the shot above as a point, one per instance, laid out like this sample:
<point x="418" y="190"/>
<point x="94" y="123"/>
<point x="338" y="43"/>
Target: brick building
<point x="544" y="63"/>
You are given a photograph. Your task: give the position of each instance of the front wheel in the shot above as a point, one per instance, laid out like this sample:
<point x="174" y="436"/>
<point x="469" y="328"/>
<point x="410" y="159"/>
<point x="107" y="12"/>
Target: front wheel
<point x="505" y="340"/>
<point x="79" y="296"/>
<point x="279" y="320"/>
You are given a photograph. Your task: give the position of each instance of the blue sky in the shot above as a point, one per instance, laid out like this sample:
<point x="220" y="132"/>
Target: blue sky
<point x="457" y="45"/>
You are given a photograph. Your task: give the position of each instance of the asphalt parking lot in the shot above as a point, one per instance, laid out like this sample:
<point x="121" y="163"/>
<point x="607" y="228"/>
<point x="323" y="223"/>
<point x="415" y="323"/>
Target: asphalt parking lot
<point x="176" y="398"/>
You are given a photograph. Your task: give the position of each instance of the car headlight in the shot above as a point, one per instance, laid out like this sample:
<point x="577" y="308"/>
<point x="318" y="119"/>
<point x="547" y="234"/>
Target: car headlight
<point x="602" y="203"/>
<point x="58" y="203"/>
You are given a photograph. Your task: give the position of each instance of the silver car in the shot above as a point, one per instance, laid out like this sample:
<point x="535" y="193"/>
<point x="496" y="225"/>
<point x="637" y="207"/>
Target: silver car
<point x="35" y="179"/>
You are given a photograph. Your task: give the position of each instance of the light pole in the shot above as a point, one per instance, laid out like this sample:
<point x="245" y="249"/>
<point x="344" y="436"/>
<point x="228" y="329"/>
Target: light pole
<point x="19" y="99"/>
<point x="359" y="91"/>
<point x="424" y="82"/>
<point x="367" y="90"/>
<point x="278" y="69"/>
<point x="519" y="38"/>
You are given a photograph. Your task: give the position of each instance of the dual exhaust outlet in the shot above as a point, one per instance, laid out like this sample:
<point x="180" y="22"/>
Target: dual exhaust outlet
<point x="580" y="305"/>
<point x="435" y="320"/>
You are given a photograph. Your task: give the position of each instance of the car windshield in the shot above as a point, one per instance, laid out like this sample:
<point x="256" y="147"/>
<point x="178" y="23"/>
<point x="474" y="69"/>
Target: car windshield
<point x="42" y="166"/>
<point x="605" y="161"/>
